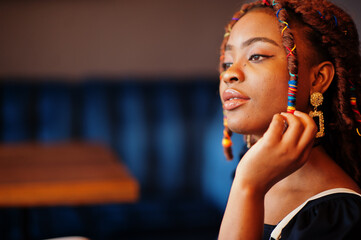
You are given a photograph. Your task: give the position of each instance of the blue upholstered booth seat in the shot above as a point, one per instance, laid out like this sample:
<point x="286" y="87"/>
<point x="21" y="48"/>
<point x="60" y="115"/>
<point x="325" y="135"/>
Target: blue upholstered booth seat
<point x="167" y="132"/>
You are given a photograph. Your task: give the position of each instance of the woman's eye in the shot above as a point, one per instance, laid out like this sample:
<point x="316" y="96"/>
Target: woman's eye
<point x="227" y="65"/>
<point x="257" y="57"/>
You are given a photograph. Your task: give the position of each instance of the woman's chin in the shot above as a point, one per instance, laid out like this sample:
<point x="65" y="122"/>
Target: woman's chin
<point x="247" y="130"/>
<point x="240" y="130"/>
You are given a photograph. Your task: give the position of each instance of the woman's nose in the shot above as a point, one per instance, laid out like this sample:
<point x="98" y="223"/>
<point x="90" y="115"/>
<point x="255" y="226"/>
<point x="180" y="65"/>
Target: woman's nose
<point x="232" y="75"/>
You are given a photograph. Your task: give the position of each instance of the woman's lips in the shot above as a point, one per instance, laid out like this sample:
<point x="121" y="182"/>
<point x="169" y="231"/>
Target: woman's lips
<point x="233" y="99"/>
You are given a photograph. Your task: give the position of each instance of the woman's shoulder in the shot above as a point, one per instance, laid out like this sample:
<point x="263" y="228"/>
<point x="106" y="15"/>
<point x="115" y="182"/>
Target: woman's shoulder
<point x="336" y="215"/>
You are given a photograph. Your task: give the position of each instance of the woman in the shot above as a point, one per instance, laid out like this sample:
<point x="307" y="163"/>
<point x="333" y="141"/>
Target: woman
<point x="308" y="49"/>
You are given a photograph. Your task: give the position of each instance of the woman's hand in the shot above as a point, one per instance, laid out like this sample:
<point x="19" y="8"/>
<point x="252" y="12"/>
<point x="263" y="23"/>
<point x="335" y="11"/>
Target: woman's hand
<point x="281" y="151"/>
<point x="276" y="155"/>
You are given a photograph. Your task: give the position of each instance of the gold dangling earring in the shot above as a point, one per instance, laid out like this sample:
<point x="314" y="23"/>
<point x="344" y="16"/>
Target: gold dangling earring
<point x="316" y="100"/>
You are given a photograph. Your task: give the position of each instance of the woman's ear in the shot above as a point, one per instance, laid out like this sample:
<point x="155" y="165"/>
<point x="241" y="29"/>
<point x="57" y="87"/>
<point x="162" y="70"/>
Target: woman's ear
<point x="323" y="75"/>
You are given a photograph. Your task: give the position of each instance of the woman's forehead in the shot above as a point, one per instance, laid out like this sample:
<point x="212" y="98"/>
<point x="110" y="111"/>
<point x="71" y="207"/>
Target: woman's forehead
<point x="255" y="24"/>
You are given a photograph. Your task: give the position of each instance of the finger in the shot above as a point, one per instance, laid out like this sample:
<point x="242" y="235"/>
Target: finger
<point x="310" y="130"/>
<point x="295" y="129"/>
<point x="308" y="136"/>
<point x="276" y="128"/>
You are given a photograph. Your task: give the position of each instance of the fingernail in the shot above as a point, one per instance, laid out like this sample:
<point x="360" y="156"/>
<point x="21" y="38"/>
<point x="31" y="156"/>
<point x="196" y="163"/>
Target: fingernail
<point x="297" y="113"/>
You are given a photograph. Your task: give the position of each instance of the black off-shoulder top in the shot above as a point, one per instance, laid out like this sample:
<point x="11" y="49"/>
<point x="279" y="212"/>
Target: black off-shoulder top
<point x="332" y="217"/>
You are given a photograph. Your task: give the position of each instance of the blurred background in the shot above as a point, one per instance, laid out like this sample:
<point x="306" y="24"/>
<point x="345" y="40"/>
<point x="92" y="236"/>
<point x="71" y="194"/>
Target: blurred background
<point x="139" y="77"/>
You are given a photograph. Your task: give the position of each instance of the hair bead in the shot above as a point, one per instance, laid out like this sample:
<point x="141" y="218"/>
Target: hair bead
<point x="226" y="140"/>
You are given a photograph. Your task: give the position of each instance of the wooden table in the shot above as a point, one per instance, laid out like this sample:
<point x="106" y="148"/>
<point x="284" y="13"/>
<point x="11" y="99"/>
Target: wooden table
<point x="33" y="175"/>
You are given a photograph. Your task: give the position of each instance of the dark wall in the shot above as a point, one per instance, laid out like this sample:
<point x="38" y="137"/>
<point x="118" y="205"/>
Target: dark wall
<point x="117" y="37"/>
<point x="110" y="37"/>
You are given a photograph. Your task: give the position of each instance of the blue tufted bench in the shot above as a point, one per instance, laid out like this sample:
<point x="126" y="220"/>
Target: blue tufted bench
<point x="167" y="132"/>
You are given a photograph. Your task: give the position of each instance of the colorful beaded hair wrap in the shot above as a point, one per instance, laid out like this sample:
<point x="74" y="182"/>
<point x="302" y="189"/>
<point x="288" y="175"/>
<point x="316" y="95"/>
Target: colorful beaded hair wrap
<point x="293" y="81"/>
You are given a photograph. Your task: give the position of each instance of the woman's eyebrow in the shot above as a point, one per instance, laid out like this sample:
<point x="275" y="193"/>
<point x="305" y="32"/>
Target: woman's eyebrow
<point x="251" y="41"/>
<point x="258" y="39"/>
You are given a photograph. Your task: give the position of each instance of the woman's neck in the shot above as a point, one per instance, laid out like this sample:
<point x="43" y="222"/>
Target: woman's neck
<point x="319" y="173"/>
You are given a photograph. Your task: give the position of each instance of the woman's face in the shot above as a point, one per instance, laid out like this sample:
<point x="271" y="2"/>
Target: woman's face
<point x="255" y="84"/>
